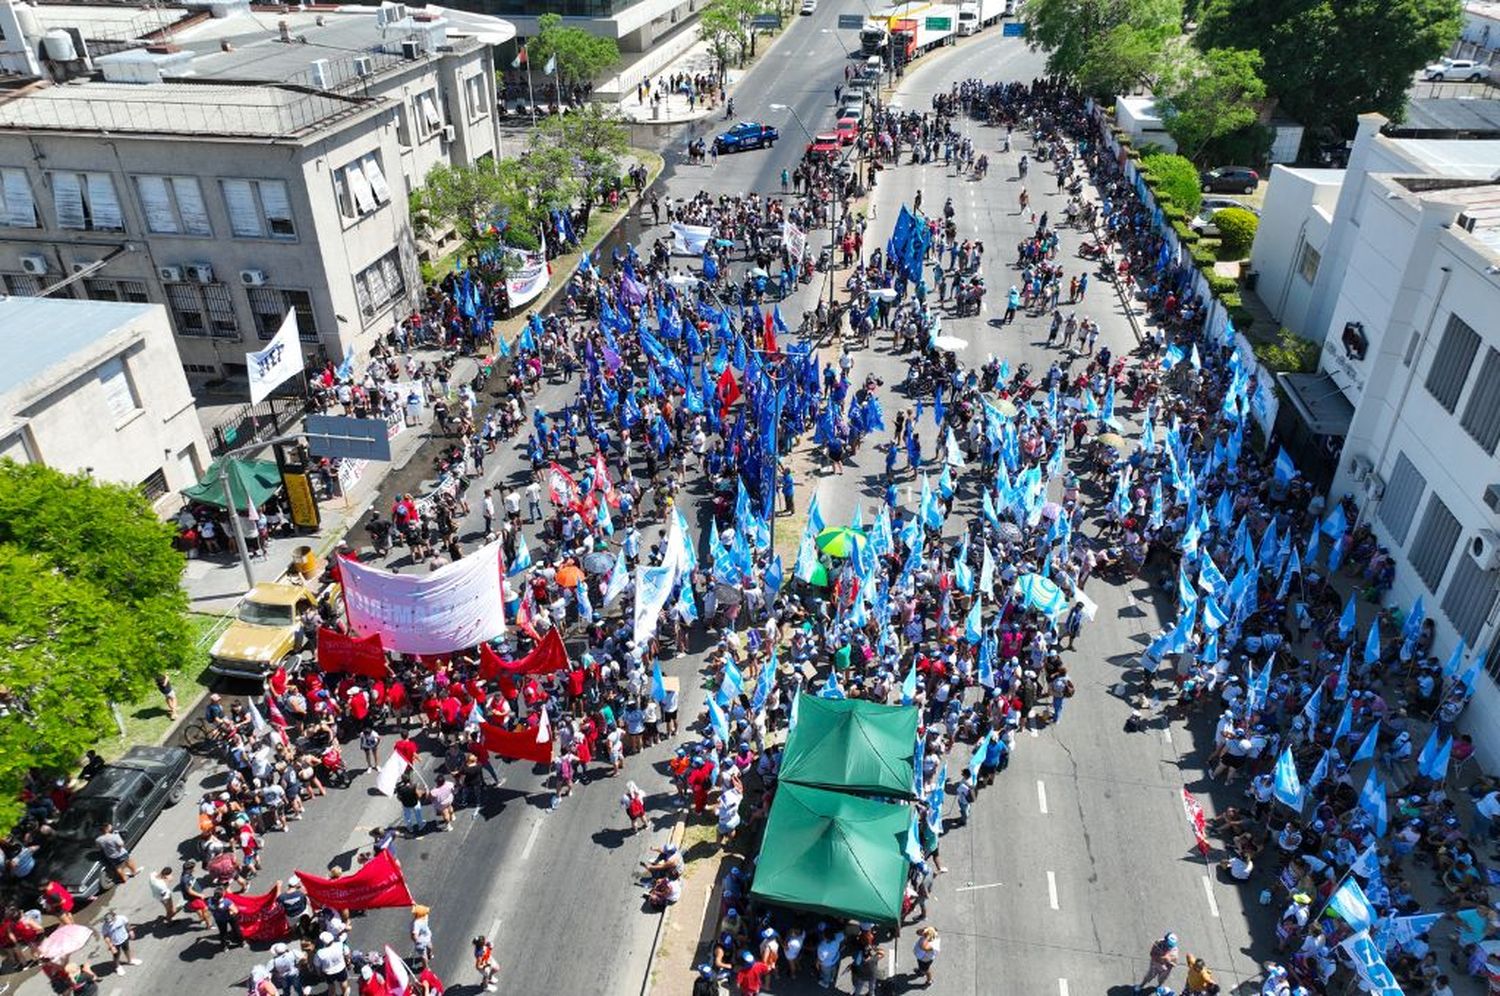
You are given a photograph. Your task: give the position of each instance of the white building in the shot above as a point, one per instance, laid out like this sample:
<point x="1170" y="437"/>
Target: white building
<point x="234" y="163"/>
<point x="1139" y="118"/>
<point x="1402" y="295"/>
<point x="96" y="387"/>
<point x="1481" y="24"/>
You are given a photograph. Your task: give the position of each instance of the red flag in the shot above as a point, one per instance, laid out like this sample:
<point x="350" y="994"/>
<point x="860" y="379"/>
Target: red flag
<point x="524" y="614"/>
<point x="727" y="390"/>
<point x="262" y="918"/>
<point x="550" y="655"/>
<point x="770" y="337"/>
<point x="516" y="745"/>
<point x="375" y="885"/>
<point x="357" y="655"/>
<point x="278" y="680"/>
<point x="1194" y="811"/>
<point x="561" y="487"/>
<point x="434" y="984"/>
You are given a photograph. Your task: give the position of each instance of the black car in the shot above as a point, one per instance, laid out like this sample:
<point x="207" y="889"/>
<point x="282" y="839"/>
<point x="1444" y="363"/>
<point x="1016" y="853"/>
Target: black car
<point x="130" y="793"/>
<point x="1229" y="180"/>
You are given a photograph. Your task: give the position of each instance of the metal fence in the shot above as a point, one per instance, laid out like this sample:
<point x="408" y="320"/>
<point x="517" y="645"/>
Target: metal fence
<point x="252" y="423"/>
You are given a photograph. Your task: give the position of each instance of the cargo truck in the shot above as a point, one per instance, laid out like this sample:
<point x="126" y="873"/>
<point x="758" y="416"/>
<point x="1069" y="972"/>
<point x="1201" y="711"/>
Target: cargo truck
<point x="910" y="29"/>
<point x="975" y="15"/>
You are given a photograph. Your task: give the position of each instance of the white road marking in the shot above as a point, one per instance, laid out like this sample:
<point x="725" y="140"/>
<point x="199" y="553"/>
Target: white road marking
<point x="1208" y="890"/>
<point x="1041" y="796"/>
<point x="494" y="927"/>
<point x="976" y="888"/>
<point x="1062" y="987"/>
<point x="1052" y="890"/>
<point x="536" y="828"/>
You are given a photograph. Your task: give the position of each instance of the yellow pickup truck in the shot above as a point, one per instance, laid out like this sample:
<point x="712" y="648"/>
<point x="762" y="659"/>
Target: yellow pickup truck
<point x="266" y="629"/>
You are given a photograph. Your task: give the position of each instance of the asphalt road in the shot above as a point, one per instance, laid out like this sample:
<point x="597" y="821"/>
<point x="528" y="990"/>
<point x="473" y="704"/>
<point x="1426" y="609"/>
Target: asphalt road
<point x="1075" y="859"/>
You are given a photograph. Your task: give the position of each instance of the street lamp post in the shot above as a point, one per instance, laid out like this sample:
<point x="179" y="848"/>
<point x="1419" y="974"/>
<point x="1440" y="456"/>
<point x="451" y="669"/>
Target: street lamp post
<point x="834" y="208"/>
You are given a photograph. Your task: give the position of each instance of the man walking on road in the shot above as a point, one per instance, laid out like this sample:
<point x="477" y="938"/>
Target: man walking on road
<point x="1163" y="961"/>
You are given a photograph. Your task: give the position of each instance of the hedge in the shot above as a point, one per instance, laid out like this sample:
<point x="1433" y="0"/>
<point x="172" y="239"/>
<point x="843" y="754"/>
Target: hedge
<point x="1176" y="180"/>
<point x="1240" y="315"/>
<point x="1186" y="234"/>
<point x="1236" y="232"/>
<point x="1220" y="284"/>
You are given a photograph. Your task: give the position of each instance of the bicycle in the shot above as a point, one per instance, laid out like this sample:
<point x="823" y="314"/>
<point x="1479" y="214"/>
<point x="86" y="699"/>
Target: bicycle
<point x="201" y="737"/>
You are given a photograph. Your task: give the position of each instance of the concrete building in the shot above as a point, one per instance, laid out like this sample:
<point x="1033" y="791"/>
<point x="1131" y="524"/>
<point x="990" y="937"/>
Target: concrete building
<point x="1395" y="267"/>
<point x="234" y="163"/>
<point x="96" y="387"/>
<point x="1481" y="25"/>
<point x="636" y="24"/>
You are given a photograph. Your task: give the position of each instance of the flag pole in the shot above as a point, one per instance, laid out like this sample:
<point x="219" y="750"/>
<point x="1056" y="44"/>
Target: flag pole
<point x="530" y="97"/>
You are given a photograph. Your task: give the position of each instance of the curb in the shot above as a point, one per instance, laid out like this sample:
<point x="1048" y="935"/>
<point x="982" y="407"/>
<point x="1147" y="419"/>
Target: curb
<point x="679" y="829"/>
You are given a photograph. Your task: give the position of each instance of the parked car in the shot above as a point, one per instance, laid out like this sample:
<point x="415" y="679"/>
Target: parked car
<point x="825" y="143"/>
<point x="847" y="130"/>
<point x="853" y="110"/>
<point x="130" y="793"/>
<point x="747" y="135"/>
<point x="809" y="6"/>
<point x="1455" y="69"/>
<point x="1203" y="224"/>
<point x="1229" y="180"/>
<point x="267" y="628"/>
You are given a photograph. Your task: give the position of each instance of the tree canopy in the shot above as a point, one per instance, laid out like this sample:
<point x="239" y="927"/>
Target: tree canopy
<point x="731" y="22"/>
<point x="93" y="610"/>
<point x="1079" y="35"/>
<point x="1327" y="61"/>
<point x="582" y="56"/>
<point x="594" y="138"/>
<point x="1218" y="94"/>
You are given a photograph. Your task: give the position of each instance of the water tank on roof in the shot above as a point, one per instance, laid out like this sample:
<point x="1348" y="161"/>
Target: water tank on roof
<point x="58" y="45"/>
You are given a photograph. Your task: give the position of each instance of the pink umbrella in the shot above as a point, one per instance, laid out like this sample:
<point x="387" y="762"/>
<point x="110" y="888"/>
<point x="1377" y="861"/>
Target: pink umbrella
<point x="63" y="941"/>
<point x="1051" y="510"/>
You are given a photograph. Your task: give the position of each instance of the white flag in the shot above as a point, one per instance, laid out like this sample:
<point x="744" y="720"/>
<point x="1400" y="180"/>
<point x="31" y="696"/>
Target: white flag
<point x="274" y="365"/>
<point x="390" y="773"/>
<point x="544" y="729"/>
<point x="652" y="587"/>
<point x="551" y="67"/>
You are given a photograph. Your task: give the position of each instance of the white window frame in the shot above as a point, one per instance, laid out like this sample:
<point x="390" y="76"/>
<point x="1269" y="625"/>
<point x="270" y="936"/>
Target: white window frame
<point x="182" y="212"/>
<point x="361" y="187"/>
<point x="475" y="100"/>
<point x="119" y="391"/>
<point x="271" y="203"/>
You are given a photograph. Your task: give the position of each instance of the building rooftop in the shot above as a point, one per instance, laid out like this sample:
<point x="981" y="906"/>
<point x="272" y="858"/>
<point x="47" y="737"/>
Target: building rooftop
<point x="1448" y="117"/>
<point x="75" y="329"/>
<point x="1478" y="158"/>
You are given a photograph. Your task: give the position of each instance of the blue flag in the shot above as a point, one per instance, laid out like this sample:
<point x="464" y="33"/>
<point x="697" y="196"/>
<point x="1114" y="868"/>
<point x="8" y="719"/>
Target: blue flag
<point x="973" y="623"/>
<point x="658" y="685"/>
<point x="1288" y="787"/>
<point x="717" y="721"/>
<point x="1372" y="643"/>
<point x="1349" y="903"/>
<point x="1372" y="801"/>
<point x="1348" y="619"/>
<point x="1368" y="745"/>
<point x="831" y="689"/>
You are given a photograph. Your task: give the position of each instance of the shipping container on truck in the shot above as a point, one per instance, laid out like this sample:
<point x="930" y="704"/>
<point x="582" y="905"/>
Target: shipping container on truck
<point x="975" y="15"/>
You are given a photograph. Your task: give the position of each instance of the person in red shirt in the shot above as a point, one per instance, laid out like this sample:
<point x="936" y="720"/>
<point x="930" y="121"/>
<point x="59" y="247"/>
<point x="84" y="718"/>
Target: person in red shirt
<point x="371" y="983"/>
<point x="752" y="978"/>
<point x="57" y="900"/>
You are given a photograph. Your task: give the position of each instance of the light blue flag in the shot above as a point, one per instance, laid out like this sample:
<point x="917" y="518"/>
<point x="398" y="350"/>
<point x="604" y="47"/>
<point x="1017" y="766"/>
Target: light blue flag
<point x="1348" y="620"/>
<point x="731" y="685"/>
<point x="1285" y="469"/>
<point x="909" y="685"/>
<point x="1321" y="771"/>
<point x="619" y="578"/>
<point x="1336" y="523"/>
<point x="1437" y="768"/>
<point x="1213" y="616"/>
<point x="606" y="523"/>
<point x="807" y="558"/>
<point x="935" y="800"/>
<point x="987" y="572"/>
<point x="1341" y="685"/>
<point x="1455" y="660"/>
<point x="945" y="482"/>
<point x="1288" y="787"/>
<point x="1372" y="643"/>
<point x="523" y="556"/>
<point x="1429" y="749"/>
<point x="914" y="840"/>
<point x="1294" y="566"/>
<point x="791" y="720"/>
<point x="585" y="607"/>
<point x="1311" y="556"/>
<point x="763" y="684"/>
<point x="963" y="574"/>
<point x="718" y="721"/>
<point x="1413" y="625"/>
<point x="1372" y="801"/>
<point x="976" y="759"/>
<point x="831" y="689"/>
<point x="1349" y="903"/>
<point x="1367" y="865"/>
<point x="1346" y="719"/>
<point x="953" y="453"/>
<point x="1467" y="678"/>
<point x="974" y="623"/>
<point x="815" y="523"/>
<point x="774" y="575"/>
<point x="1406" y="929"/>
<point x="1313" y="707"/>
<point x="1368" y="745"/>
<point x="918" y="773"/>
<point x="658" y="684"/>
<point x="1268" y="542"/>
<point x="987" y="662"/>
<point x="930" y="512"/>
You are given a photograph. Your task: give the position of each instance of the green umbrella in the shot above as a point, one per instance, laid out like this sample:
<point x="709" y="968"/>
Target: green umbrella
<point x="819" y="577"/>
<point x="840" y="541"/>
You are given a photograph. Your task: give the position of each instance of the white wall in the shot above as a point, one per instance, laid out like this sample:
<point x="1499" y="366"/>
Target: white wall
<point x="1295" y="213"/>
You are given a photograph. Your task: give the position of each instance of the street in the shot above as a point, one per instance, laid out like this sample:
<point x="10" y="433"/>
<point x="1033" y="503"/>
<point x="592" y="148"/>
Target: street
<point x="1073" y="862"/>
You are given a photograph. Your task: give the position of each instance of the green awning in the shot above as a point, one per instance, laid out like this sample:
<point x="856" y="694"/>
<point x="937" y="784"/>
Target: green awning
<point x="834" y="853"/>
<point x="259" y="479"/>
<point x="853" y="746"/>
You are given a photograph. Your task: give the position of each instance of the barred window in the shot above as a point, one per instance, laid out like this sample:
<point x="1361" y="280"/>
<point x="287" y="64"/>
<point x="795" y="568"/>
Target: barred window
<point x="1402" y="494"/>
<point x="1450" y="367"/>
<point x="1433" y="547"/>
<point x="1470" y="597"/>
<point x="1482" y="414"/>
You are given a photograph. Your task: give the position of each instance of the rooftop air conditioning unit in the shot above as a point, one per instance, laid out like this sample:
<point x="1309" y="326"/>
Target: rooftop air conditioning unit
<point x="253" y="278"/>
<point x="1491" y="494"/>
<point x="1485" y="549"/>
<point x="202" y="273"/>
<point x="81" y="266"/>
<point x="411" y="49"/>
<point x="169" y="274"/>
<point x="34" y="264"/>
<point x="1374" y="487"/>
<point x="364" y="65"/>
<point x="448" y="133"/>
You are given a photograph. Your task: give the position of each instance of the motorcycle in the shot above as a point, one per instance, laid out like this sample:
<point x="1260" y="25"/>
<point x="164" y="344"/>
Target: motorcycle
<point x="825" y="259"/>
<point x="1094" y="250"/>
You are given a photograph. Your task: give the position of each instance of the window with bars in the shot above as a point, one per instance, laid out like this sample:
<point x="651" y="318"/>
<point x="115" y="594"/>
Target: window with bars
<point x="1402" y="493"/>
<point x="86" y="202"/>
<point x="133" y="291"/>
<point x="259" y="209"/>
<point x="17" y="204"/>
<point x="155" y="486"/>
<point x="1450" y="367"/>
<point x="1482" y="413"/>
<point x="1470" y="597"/>
<point x="203" y="310"/>
<point x="360" y="187"/>
<point x="380" y="283"/>
<point x="269" y="305"/>
<point x="22" y="285"/>
<point x="1433" y="547"/>
<point x="173" y="205"/>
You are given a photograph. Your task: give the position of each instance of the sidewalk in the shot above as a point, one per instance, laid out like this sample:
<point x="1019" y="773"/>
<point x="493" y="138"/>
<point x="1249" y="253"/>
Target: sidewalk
<point x="698" y="60"/>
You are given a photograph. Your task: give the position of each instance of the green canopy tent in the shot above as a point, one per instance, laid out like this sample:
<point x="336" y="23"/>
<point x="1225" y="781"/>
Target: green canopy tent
<point x="834" y="853"/>
<point x="259" y="479"/>
<point x="853" y="746"/>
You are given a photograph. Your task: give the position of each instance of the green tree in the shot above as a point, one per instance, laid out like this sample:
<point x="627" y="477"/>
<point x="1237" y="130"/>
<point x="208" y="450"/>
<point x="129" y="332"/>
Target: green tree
<point x="720" y="28"/>
<point x="1236" y="232"/>
<point x="732" y="22"/>
<point x="1176" y="182"/>
<point x="1327" y="61"/>
<point x="1217" y="94"/>
<point x="469" y="198"/>
<point x="582" y="56"/>
<point x="595" y="139"/>
<point x="93" y="610"/>
<point x="1070" y="31"/>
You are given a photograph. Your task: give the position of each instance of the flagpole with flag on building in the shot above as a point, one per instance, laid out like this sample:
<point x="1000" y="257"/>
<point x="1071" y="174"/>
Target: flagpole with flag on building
<point x="520" y="62"/>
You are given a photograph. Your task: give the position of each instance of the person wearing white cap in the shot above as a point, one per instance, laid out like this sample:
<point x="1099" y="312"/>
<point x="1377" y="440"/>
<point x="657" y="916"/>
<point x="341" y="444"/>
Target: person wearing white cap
<point x="332" y="963"/>
<point x="286" y="968"/>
